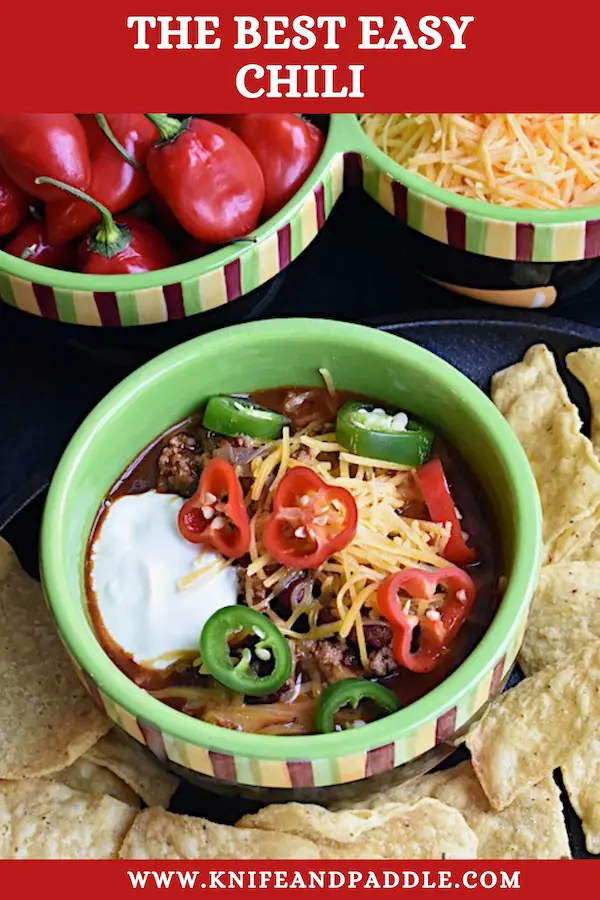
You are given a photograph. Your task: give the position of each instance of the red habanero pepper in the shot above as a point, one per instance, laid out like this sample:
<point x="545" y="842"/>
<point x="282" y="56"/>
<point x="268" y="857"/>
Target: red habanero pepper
<point x="52" y="145"/>
<point x="14" y="205"/>
<point x="438" y="627"/>
<point x="115" y="182"/>
<point x="216" y="515"/>
<point x="32" y="244"/>
<point x="316" y="135"/>
<point x="311" y="520"/>
<point x="439" y="502"/>
<point x="127" y="247"/>
<point x="208" y="177"/>
<point x="287" y="149"/>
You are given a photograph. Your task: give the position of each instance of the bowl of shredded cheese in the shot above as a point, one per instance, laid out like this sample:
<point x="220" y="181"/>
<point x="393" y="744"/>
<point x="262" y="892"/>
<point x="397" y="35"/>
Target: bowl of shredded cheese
<point x="527" y="161"/>
<point x="508" y="189"/>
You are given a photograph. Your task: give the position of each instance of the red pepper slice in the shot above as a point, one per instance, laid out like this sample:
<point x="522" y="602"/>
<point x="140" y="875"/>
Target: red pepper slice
<point x="436" y="633"/>
<point x="216" y="515"/>
<point x="311" y="520"/>
<point x="440" y="504"/>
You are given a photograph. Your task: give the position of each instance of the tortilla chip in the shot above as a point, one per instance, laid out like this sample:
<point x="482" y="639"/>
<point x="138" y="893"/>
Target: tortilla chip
<point x="581" y="775"/>
<point x="533" y="827"/>
<point x="43" y="820"/>
<point x="157" y="834"/>
<point x="427" y="830"/>
<point x="135" y="767"/>
<point x="579" y="542"/>
<point x="533" y="728"/>
<point x="585" y="366"/>
<point x="47" y="720"/>
<point x="86" y="776"/>
<point x="565" y="614"/>
<point x="534" y="400"/>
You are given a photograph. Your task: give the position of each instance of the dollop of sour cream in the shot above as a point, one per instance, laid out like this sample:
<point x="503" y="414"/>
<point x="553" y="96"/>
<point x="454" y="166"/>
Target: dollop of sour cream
<point x="138" y="562"/>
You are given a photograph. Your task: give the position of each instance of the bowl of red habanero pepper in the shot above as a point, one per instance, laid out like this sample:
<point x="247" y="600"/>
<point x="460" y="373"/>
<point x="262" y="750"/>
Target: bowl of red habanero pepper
<point x="232" y="199"/>
<point x="132" y="219"/>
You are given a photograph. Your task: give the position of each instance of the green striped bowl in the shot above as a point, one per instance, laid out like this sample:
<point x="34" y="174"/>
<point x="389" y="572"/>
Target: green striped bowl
<point x="513" y="235"/>
<point x="190" y="288"/>
<point x="520" y="235"/>
<point x="247" y="358"/>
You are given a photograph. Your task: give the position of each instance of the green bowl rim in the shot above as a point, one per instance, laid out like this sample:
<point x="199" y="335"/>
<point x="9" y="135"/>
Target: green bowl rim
<point x="478" y="208"/>
<point x="182" y="272"/>
<point x="345" y="135"/>
<point x="92" y="658"/>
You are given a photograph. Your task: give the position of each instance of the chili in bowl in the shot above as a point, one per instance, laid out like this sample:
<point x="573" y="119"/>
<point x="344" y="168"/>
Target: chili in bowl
<point x="293" y="585"/>
<point x="317" y="542"/>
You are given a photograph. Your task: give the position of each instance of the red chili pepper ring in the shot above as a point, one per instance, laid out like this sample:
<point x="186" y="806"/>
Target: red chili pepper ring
<point x="311" y="520"/>
<point x="437" y="631"/>
<point x="216" y="514"/>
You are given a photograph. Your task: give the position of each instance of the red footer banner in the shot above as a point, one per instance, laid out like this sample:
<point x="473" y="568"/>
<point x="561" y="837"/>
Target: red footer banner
<point x="91" y="880"/>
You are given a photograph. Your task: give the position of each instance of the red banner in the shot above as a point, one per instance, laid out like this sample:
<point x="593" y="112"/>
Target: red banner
<point x="440" y="56"/>
<point x="531" y="880"/>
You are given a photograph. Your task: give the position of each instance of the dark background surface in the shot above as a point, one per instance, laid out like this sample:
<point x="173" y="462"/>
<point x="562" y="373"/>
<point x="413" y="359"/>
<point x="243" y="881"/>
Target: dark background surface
<point x="356" y="269"/>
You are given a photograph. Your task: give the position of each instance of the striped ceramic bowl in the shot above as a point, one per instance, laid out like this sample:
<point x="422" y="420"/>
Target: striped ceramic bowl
<point x="184" y="290"/>
<point x="509" y="256"/>
<point x="515" y="257"/>
<point x="246" y="358"/>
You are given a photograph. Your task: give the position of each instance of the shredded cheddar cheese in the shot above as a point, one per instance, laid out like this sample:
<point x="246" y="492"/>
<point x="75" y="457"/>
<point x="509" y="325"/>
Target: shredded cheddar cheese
<point x="385" y="540"/>
<point x="264" y="470"/>
<point x="529" y="160"/>
<point x="212" y="569"/>
<point x="328" y="379"/>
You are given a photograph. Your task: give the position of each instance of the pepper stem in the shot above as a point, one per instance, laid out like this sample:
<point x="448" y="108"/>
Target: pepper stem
<point x="168" y="127"/>
<point x="108" y="132"/>
<point x="108" y="238"/>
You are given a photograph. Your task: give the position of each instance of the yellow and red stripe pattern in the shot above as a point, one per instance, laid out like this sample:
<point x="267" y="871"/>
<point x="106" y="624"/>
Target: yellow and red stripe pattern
<point x="256" y="264"/>
<point x="516" y="241"/>
<point x="318" y="772"/>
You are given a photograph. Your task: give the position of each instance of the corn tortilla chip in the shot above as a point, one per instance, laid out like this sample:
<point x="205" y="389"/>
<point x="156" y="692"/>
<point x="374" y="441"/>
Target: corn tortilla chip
<point x="565" y="614"/>
<point x="581" y="775"/>
<point x="534" y="728"/>
<point x="84" y="775"/>
<point x="132" y="765"/>
<point x="157" y="834"/>
<point x="47" y="720"/>
<point x="534" y="400"/>
<point x="43" y="820"/>
<point x="426" y="830"/>
<point x="585" y="366"/>
<point x="532" y="827"/>
<point x="579" y="542"/>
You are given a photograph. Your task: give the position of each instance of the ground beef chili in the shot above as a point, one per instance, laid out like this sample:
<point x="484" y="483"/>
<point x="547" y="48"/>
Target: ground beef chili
<point x="173" y="464"/>
<point x="179" y="465"/>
